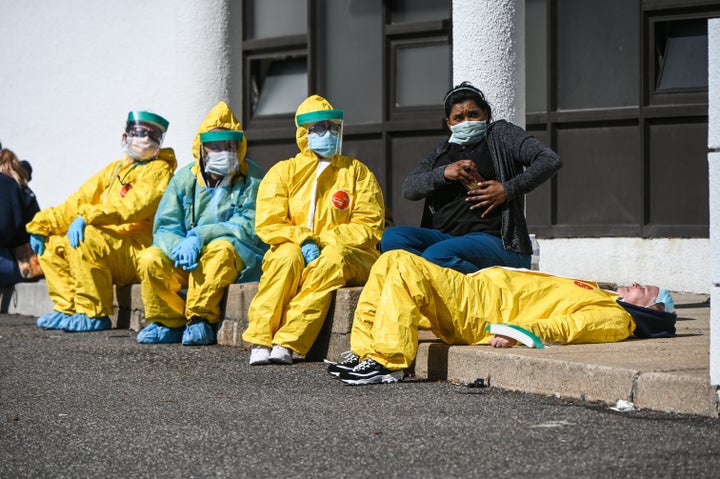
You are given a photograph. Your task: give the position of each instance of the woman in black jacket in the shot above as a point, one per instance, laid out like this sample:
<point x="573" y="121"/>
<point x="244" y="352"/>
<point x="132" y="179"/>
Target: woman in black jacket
<point x="474" y="187"/>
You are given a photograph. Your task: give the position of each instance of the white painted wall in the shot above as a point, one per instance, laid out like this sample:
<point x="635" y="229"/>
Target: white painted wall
<point x="489" y="51"/>
<point x="673" y="263"/>
<point x="72" y="69"/>
<point x="714" y="178"/>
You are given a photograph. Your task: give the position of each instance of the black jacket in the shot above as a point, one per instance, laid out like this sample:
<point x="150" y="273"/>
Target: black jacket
<point x="17" y="207"/>
<point x="521" y="164"/>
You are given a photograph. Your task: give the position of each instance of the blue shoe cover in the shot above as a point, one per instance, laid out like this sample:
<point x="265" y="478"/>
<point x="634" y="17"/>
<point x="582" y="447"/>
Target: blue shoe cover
<point x="156" y="333"/>
<point x="198" y="334"/>
<point x="52" y="320"/>
<point x="79" y="323"/>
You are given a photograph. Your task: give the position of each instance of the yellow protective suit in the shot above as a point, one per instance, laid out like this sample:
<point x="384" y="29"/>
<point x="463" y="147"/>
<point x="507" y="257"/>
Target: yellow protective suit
<point x="222" y="217"/>
<point x="118" y="226"/>
<point x="404" y="289"/>
<point x="293" y="299"/>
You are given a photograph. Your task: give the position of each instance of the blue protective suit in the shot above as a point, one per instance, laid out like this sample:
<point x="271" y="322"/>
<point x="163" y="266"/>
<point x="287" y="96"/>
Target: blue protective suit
<point x="222" y="217"/>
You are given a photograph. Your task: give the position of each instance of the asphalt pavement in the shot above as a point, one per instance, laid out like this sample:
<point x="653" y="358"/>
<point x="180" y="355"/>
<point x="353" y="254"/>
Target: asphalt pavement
<point x="100" y="405"/>
<point x="667" y="374"/>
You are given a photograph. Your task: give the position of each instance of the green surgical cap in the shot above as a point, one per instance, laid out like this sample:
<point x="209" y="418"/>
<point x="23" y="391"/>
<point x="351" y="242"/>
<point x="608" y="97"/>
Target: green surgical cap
<point x="147" y="117"/>
<point x="320" y="115"/>
<point x="221" y="135"/>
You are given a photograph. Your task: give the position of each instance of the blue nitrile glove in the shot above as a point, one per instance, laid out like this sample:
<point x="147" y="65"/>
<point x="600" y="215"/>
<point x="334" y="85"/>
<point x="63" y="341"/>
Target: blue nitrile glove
<point x="37" y="243"/>
<point x="310" y="251"/>
<point x="76" y="232"/>
<point x="187" y="252"/>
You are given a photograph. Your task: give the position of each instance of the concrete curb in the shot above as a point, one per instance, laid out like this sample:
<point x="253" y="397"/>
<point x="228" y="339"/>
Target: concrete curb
<point x="660" y="391"/>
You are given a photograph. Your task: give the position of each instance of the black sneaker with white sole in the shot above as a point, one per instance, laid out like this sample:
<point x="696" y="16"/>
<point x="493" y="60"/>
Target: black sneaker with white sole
<point x="349" y="361"/>
<point x="370" y="372"/>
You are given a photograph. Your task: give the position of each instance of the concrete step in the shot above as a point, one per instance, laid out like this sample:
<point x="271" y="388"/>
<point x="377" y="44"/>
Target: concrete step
<point x="32" y="299"/>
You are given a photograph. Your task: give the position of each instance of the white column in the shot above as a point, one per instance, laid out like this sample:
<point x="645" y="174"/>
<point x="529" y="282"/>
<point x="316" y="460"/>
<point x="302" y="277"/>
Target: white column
<point x="489" y="51"/>
<point x="714" y="179"/>
<point x="201" y="67"/>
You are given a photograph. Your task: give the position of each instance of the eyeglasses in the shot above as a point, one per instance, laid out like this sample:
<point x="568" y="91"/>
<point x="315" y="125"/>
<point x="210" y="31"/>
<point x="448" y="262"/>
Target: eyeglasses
<point x="321" y="127"/>
<point x="221" y="145"/>
<point x="140" y="132"/>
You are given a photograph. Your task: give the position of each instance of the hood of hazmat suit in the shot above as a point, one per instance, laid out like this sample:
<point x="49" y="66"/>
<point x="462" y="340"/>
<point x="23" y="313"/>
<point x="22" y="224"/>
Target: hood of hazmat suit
<point x="348" y="207"/>
<point x="227" y="211"/>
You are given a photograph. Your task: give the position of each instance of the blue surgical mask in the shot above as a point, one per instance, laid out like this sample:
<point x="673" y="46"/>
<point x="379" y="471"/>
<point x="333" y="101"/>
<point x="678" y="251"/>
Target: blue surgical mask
<point x="324" y="145"/>
<point x="221" y="163"/>
<point x="468" y="132"/>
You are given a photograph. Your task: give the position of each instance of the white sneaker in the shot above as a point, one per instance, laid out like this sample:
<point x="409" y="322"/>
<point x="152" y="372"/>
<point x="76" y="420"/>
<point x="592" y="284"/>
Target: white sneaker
<point x="281" y="355"/>
<point x="259" y="355"/>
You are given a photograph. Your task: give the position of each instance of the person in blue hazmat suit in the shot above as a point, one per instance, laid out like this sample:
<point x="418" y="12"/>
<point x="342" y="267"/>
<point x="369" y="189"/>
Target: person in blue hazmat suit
<point x="92" y="240"/>
<point x="322" y="214"/>
<point x="204" y="236"/>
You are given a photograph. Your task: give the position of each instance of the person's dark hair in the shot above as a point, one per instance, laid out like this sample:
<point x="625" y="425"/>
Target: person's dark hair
<point x="28" y="167"/>
<point x="463" y="92"/>
<point x="11" y="166"/>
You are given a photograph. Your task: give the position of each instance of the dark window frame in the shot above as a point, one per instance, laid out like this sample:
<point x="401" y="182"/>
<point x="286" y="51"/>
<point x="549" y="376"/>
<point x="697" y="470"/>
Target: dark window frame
<point x="278" y="131"/>
<point x="654" y="96"/>
<point x="398" y="112"/>
<point x="685" y="107"/>
<point x="267" y="48"/>
<point x="269" y="120"/>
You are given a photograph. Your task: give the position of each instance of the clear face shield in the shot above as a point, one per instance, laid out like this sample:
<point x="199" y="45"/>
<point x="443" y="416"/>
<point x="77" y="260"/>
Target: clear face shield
<point x="219" y="151"/>
<point x="325" y="131"/>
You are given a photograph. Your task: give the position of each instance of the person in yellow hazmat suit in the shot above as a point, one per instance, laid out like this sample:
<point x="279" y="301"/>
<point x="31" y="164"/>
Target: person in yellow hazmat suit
<point x="204" y="236"/>
<point x="322" y="214"/>
<point x="91" y="241"/>
<point x="404" y="290"/>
